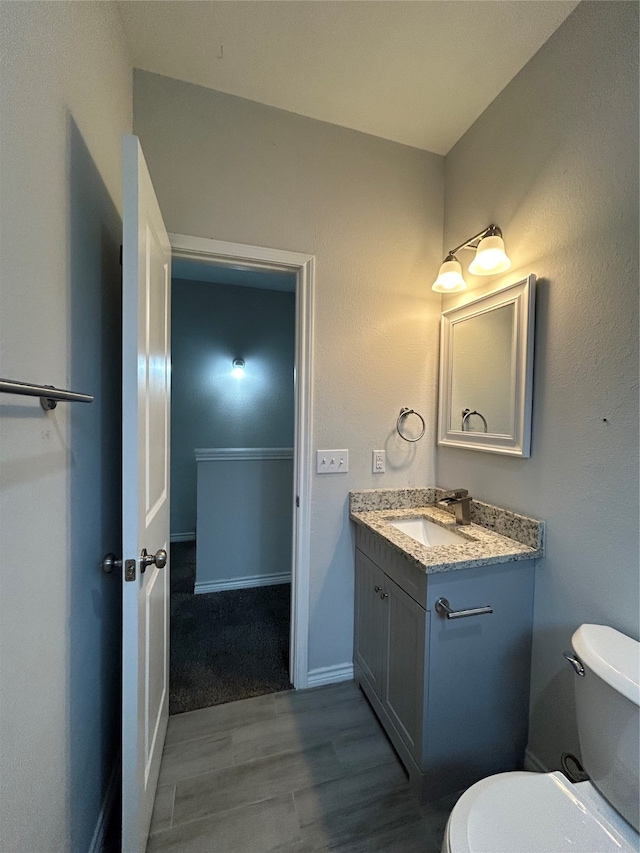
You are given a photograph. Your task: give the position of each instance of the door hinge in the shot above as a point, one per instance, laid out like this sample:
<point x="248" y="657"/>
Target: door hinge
<point x="129" y="570"/>
<point x="297" y="500"/>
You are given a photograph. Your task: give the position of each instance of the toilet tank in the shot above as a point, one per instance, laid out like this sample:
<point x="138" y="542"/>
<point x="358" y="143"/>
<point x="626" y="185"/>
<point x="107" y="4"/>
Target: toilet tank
<point x="608" y="712"/>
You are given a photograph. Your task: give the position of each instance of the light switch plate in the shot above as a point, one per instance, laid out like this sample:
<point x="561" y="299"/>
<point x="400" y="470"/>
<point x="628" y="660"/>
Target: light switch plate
<point x="332" y="461"/>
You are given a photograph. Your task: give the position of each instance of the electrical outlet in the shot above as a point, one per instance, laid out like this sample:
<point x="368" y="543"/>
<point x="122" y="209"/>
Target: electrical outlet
<point x="332" y="461"/>
<point x="379" y="466"/>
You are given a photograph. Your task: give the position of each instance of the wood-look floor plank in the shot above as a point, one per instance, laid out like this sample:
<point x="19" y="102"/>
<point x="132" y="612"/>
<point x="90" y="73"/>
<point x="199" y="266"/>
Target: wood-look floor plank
<point x="220" y="719"/>
<point x="436" y="814"/>
<point x="348" y="792"/>
<point x="364" y="747"/>
<point x="411" y="837"/>
<point x="356" y="806"/>
<point x="192" y="757"/>
<point x="264" y="827"/>
<point x="314" y="698"/>
<point x="162" y="808"/>
<point x="324" y="744"/>
<point x="305" y="728"/>
<point x="253" y="781"/>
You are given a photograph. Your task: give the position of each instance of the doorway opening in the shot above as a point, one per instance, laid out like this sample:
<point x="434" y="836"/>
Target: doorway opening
<point x="232" y="354"/>
<point x="239" y="519"/>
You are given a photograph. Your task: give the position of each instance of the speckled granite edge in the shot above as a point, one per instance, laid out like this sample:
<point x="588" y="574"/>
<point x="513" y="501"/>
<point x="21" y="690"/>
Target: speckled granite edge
<point x="370" y="500"/>
<point x="478" y="546"/>
<point x="527" y="531"/>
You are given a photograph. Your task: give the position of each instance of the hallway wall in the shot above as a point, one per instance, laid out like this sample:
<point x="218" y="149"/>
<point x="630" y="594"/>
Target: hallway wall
<point x="245" y="518"/>
<point x="211" y="325"/>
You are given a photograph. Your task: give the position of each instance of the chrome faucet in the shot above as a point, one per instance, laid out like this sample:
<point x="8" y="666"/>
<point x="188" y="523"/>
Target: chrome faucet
<point x="461" y="500"/>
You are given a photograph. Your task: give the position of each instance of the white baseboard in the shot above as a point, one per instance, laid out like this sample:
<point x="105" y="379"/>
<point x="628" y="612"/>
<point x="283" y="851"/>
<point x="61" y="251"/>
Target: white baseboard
<point x="97" y="842"/>
<point x="533" y="763"/>
<point x="182" y="537"/>
<point x="242" y="583"/>
<point x="330" y="674"/>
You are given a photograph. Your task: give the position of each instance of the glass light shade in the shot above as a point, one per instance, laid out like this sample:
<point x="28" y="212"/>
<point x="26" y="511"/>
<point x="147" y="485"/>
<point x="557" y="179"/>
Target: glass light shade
<point x="449" y="278"/>
<point x="490" y="257"/>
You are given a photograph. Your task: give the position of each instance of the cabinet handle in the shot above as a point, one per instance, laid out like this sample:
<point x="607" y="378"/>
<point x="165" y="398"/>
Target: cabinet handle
<point x="377" y="588"/>
<point x="444" y="609"/>
<point x="384" y="595"/>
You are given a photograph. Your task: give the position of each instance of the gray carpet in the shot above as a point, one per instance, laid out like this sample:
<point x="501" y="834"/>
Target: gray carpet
<point x="183" y="566"/>
<point x="225" y="645"/>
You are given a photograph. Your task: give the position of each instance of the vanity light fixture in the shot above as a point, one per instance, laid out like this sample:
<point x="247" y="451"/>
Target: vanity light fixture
<point x="490" y="259"/>
<point x="238" y="368"/>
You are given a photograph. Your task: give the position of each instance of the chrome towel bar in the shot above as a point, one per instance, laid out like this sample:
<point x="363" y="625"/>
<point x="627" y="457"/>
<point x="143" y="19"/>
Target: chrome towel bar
<point x="444" y="609"/>
<point x="47" y="393"/>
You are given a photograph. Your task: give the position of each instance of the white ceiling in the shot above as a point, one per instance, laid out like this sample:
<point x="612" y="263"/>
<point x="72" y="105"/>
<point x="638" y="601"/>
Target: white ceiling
<point x="416" y="72"/>
<point x="212" y="273"/>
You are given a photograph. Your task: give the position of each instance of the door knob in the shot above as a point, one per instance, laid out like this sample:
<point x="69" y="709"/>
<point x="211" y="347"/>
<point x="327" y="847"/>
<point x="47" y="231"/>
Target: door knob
<point x="159" y="558"/>
<point x="384" y="595"/>
<point x="110" y="562"/>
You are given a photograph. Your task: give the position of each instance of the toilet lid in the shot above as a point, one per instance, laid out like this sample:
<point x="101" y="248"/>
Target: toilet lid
<point x="530" y="813"/>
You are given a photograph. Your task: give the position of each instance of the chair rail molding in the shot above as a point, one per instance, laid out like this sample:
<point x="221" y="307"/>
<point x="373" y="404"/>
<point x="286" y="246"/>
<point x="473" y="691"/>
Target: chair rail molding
<point x="249" y="454"/>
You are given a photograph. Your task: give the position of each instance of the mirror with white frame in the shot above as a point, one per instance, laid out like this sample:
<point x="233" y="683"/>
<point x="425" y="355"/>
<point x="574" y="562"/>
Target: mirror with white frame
<point x="486" y="372"/>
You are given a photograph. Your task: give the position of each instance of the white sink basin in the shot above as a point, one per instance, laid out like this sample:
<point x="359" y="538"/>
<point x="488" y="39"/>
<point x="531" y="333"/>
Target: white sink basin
<point x="426" y="532"/>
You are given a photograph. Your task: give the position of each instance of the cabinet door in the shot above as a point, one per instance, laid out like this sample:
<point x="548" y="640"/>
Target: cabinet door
<point x="404" y="666"/>
<point x="370" y="613"/>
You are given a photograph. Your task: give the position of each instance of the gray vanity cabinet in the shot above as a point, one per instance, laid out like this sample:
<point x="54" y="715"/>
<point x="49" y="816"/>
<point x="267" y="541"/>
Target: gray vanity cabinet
<point x="369" y="617"/>
<point x="452" y="695"/>
<point x="389" y="647"/>
<point x="404" y="657"/>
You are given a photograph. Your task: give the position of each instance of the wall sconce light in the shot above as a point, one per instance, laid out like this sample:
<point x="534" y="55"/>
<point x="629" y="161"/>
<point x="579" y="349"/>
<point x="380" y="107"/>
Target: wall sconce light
<point x="238" y="368"/>
<point x="490" y="259"/>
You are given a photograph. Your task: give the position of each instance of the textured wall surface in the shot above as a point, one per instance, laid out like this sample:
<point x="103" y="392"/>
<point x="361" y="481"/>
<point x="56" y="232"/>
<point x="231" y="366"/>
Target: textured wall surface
<point x="371" y="212"/>
<point x="211" y="325"/>
<point x="65" y="99"/>
<point x="554" y="161"/>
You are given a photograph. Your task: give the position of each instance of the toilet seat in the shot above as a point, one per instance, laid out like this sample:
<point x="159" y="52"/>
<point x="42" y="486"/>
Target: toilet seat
<point x="524" y="812"/>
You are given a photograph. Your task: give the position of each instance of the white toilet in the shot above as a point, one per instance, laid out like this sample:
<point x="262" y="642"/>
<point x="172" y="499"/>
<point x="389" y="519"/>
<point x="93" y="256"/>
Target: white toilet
<point x="524" y="812"/>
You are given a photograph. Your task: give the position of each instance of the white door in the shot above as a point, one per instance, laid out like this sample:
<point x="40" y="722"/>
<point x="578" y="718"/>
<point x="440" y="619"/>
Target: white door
<point x="146" y="269"/>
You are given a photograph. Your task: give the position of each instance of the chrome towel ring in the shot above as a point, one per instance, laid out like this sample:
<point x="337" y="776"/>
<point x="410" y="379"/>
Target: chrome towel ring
<point x="466" y="413"/>
<point x="404" y="413"/>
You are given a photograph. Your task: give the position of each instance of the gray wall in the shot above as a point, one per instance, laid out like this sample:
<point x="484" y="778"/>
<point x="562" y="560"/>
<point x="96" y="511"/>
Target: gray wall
<point x="371" y="212"/>
<point x="245" y="521"/>
<point x="211" y="325"/>
<point x="554" y="161"/>
<point x="65" y="99"/>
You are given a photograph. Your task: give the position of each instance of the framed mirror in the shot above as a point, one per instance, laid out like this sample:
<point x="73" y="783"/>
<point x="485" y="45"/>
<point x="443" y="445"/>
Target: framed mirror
<point x="486" y="372"/>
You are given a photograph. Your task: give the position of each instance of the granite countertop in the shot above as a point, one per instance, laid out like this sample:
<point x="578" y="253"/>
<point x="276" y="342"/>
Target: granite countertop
<point x="495" y="535"/>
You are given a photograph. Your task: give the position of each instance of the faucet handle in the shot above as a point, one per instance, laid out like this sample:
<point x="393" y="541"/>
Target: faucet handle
<point x="456" y="494"/>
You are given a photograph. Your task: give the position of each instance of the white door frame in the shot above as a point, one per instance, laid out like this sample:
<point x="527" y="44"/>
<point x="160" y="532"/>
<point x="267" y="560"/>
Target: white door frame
<point x="257" y="257"/>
